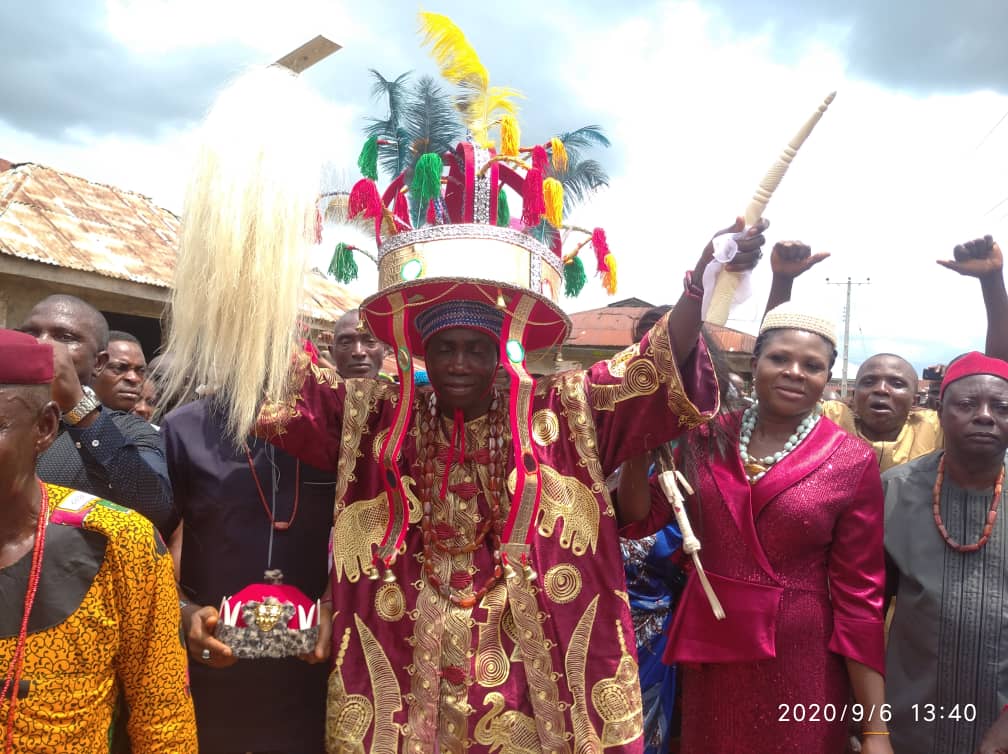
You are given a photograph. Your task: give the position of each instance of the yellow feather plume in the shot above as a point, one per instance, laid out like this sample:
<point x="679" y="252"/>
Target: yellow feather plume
<point x="481" y="105"/>
<point x="553" y="194"/>
<point x="510" y="136"/>
<point x="559" y="152"/>
<point x="609" y="278"/>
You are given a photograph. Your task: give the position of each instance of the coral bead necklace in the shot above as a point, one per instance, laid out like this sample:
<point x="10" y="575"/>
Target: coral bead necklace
<point x="988" y="524"/>
<point x="13" y="678"/>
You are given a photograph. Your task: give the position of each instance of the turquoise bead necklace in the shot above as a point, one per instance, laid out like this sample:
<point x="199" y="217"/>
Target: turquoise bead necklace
<point x="756" y="468"/>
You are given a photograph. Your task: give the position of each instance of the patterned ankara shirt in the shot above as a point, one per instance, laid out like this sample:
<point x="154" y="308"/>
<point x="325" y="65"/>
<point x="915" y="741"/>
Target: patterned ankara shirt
<point x="105" y="619"/>
<point x="119" y="458"/>
<point x="543" y="666"/>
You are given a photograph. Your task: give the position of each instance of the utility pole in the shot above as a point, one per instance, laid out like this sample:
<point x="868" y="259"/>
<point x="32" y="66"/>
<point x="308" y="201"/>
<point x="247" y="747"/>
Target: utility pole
<point x="846" y="330"/>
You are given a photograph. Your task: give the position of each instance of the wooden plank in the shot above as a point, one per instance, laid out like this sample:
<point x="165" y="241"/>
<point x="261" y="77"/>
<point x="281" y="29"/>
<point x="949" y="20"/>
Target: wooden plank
<point x="309" y="54"/>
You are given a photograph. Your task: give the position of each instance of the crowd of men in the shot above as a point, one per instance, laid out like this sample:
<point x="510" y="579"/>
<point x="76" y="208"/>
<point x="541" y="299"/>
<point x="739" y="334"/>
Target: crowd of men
<point x="87" y="417"/>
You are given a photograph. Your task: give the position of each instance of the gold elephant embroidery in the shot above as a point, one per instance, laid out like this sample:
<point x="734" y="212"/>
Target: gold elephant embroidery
<point x="510" y="731"/>
<point x="359" y="527"/>
<point x="568" y="500"/>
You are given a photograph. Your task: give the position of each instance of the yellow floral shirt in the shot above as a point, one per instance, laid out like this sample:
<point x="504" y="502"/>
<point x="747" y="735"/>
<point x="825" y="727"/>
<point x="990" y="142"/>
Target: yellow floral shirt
<point x="110" y="620"/>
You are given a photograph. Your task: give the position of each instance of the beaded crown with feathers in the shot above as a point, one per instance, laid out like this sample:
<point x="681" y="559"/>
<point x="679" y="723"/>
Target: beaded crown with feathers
<point x="426" y="142"/>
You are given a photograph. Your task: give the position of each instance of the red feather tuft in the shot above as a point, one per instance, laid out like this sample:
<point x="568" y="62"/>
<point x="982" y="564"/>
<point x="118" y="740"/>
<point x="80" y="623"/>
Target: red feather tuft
<point x="533" y="202"/>
<point x="318" y="226"/>
<point x="365" y="200"/>
<point x="431" y="213"/>
<point x="601" y="246"/>
<point x="540" y="160"/>
<point x="402" y="212"/>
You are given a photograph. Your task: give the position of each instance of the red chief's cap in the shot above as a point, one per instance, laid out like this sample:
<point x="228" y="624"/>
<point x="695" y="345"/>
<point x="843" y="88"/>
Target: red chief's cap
<point x="972" y="364"/>
<point x="23" y="360"/>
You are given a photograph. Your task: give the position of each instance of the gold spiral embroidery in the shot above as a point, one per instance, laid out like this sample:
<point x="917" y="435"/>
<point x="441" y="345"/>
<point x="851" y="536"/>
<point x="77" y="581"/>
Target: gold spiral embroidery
<point x="376" y="445"/>
<point x="563" y="583"/>
<point x="492" y="668"/>
<point x="390" y="602"/>
<point x="641" y="377"/>
<point x="492" y="665"/>
<point x="545" y="427"/>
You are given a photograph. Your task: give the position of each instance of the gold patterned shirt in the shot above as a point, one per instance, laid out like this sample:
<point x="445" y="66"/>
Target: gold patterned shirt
<point x="921" y="434"/>
<point x="542" y="666"/>
<point x="105" y="619"/>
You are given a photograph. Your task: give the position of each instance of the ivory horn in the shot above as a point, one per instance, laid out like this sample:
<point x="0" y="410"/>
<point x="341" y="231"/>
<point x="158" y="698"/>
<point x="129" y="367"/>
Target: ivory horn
<point x="724" y="289"/>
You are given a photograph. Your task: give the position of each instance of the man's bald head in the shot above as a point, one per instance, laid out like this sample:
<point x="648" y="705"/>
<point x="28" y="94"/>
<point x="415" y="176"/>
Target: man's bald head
<point x="86" y="314"/>
<point x="74" y="323"/>
<point x="884" y="393"/>
<point x="33" y="397"/>
<point x="893" y="359"/>
<point x="30" y="420"/>
<point x="349" y="318"/>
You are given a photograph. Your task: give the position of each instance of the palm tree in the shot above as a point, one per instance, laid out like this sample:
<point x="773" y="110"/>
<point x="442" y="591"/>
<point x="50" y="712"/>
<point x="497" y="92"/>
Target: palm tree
<point x="582" y="177"/>
<point x="421" y="119"/>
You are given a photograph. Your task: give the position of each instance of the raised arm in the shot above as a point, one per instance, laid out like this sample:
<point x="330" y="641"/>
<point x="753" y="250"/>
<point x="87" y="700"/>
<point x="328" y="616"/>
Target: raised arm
<point x="634" y="495"/>
<point x="788" y="260"/>
<point x="982" y="259"/>
<point x="309" y="424"/>
<point x="685" y="319"/>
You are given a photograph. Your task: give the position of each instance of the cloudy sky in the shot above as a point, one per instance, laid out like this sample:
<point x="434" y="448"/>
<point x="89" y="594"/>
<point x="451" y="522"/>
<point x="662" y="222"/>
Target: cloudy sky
<point x="698" y="97"/>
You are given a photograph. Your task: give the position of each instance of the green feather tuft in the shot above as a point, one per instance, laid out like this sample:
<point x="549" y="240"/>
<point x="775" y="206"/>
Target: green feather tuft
<point x="574" y="277"/>
<point x="425" y="186"/>
<point x="368" y="160"/>
<point x="503" y="211"/>
<point x="343" y="267"/>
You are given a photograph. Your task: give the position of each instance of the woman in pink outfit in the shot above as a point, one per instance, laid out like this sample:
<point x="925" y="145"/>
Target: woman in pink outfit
<point x="788" y="508"/>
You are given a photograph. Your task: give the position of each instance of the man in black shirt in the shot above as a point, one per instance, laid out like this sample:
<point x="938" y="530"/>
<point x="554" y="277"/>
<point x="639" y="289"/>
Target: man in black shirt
<point x="229" y="500"/>
<point x="111" y="454"/>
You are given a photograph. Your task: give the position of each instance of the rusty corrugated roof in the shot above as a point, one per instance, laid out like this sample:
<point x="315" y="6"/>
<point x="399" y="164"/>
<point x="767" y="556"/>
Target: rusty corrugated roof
<point x="731" y="340"/>
<point x="67" y="221"/>
<point x="325" y="300"/>
<point x="608" y="326"/>
<point x="612" y="327"/>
